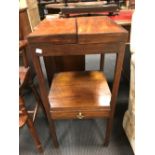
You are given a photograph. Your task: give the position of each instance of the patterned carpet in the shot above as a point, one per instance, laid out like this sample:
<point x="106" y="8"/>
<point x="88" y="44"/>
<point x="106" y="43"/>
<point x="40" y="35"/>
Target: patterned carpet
<point x="80" y="137"/>
<point x="77" y="137"/>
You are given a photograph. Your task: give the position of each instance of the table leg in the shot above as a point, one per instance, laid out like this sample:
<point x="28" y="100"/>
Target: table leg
<point x="102" y="62"/>
<point x="108" y="131"/>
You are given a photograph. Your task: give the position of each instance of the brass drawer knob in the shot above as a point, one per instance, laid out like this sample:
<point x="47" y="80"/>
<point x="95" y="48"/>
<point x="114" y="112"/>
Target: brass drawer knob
<point x="79" y="115"/>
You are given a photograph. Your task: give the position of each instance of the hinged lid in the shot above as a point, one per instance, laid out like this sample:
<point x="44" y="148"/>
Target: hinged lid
<point x="78" y="30"/>
<point x="56" y="31"/>
<point x="100" y="30"/>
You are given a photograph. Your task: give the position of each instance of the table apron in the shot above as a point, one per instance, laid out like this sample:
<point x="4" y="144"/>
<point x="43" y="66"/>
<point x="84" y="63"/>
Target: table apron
<point x="74" y="49"/>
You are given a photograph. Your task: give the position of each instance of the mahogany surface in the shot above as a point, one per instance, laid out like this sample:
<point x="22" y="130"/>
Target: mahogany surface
<point x="66" y="31"/>
<point x="79" y="90"/>
<point x="74" y="92"/>
<point x="83" y="89"/>
<point x="60" y="30"/>
<point x="103" y="30"/>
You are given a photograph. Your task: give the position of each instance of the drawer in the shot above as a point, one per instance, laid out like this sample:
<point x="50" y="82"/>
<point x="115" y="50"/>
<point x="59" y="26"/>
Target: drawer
<point x="82" y="114"/>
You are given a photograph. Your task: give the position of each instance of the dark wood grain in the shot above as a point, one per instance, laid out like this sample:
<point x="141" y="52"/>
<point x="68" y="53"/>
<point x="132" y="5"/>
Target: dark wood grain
<point x="76" y="95"/>
<point x="117" y="76"/>
<point x="90" y="114"/>
<point x="79" y="90"/>
<point x="58" y="31"/>
<point x="75" y="49"/>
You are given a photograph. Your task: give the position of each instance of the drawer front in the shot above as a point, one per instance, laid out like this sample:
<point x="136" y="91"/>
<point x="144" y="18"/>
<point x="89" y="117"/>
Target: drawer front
<point x="83" y="114"/>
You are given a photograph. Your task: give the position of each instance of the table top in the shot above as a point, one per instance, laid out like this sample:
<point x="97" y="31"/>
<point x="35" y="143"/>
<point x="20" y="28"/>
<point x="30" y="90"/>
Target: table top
<point x="56" y="31"/>
<point x="99" y="29"/>
<point x="78" y="30"/>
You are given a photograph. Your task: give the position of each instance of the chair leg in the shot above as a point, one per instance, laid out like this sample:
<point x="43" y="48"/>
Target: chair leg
<point x="51" y="122"/>
<point x="34" y="135"/>
<point x="37" y="97"/>
<point x="108" y="131"/>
